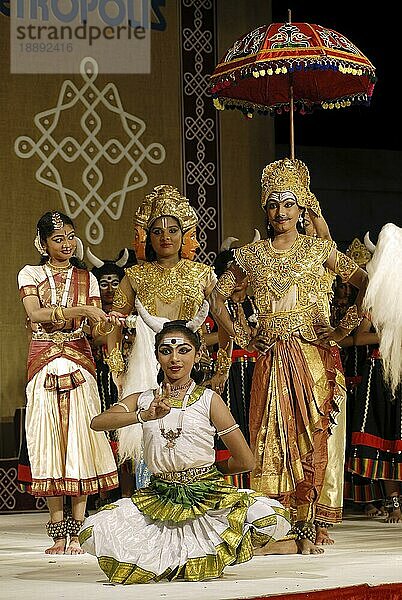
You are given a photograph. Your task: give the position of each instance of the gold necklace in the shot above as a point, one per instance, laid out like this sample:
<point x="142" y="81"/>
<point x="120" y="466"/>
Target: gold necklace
<point x="175" y="389"/>
<point x="294" y="245"/>
<point x="56" y="268"/>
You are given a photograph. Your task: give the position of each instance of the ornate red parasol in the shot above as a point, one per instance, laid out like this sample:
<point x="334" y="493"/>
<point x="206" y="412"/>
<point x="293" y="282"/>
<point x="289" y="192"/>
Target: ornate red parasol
<point x="292" y="66"/>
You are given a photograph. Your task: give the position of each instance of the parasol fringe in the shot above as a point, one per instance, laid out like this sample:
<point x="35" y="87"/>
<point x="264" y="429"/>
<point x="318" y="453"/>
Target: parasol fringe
<point x="303" y="107"/>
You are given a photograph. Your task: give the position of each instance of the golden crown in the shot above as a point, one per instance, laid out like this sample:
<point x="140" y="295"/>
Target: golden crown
<point x="358" y="252"/>
<point x="289" y="175"/>
<point x="167" y="201"/>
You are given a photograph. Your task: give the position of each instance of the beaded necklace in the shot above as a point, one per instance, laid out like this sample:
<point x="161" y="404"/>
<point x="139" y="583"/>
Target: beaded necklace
<point x="52" y="283"/>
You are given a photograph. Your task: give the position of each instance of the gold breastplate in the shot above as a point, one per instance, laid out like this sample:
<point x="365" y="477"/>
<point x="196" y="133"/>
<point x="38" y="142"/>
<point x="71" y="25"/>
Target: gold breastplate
<point x="182" y="285"/>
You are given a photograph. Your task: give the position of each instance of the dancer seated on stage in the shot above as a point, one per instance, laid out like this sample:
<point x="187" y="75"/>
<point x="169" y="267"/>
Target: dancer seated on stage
<point x="189" y="523"/>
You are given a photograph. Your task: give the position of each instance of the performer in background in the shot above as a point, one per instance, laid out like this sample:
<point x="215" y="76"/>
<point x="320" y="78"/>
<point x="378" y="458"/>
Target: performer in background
<point x="236" y="391"/>
<point x="109" y="273"/>
<point x="376" y="445"/>
<point x="297" y="384"/>
<point x="363" y="491"/>
<point x="66" y="457"/>
<point x="188" y="523"/>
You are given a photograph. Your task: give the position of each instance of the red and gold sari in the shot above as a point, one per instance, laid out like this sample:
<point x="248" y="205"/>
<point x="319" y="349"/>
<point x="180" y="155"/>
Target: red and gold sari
<point x="66" y="457"/>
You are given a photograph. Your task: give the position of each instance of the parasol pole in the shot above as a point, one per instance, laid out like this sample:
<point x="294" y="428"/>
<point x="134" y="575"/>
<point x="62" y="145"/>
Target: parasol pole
<point x="292" y="130"/>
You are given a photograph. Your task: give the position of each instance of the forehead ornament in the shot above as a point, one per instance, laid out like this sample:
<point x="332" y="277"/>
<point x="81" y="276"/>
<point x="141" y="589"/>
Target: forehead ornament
<point x="173" y="341"/>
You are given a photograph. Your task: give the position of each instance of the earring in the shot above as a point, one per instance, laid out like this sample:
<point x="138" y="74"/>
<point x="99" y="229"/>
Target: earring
<point x="301" y="220"/>
<point x="269" y="227"/>
<point x="197" y="367"/>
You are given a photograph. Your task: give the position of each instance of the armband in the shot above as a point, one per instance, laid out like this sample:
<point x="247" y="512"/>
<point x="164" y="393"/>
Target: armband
<point x="228" y="430"/>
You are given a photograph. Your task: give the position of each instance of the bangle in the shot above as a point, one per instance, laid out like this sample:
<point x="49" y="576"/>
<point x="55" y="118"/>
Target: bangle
<point x="98" y="328"/>
<point x="123" y="404"/>
<point x="57" y="316"/>
<point x="59" y="313"/>
<point x="228" y="430"/>
<point x="139" y="418"/>
<point x="115" y="361"/>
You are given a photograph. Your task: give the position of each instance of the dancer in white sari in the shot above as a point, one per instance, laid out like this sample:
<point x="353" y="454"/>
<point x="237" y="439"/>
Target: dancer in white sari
<point x="189" y="523"/>
<point x="66" y="458"/>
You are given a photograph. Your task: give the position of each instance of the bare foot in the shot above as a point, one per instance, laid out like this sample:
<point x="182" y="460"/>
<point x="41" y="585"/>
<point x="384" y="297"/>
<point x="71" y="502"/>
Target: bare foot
<point x="307" y="547"/>
<point x="281" y="547"/>
<point x="371" y="511"/>
<point x="322" y="536"/>
<point x="58" y="547"/>
<point x="394" y="517"/>
<point x="74" y="546"/>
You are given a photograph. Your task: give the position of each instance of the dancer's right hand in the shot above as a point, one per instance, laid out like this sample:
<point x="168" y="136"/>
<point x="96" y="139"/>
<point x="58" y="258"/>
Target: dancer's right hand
<point x="160" y="405"/>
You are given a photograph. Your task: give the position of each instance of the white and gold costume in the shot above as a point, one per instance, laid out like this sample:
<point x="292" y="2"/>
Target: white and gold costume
<point x="189" y="523"/>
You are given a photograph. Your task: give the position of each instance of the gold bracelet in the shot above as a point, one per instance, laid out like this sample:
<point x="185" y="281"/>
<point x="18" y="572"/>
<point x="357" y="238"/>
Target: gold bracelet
<point x="98" y="329"/>
<point x="223" y="362"/>
<point x="57" y="316"/>
<point x="115" y="361"/>
<point x="351" y="319"/>
<point x="59" y="313"/>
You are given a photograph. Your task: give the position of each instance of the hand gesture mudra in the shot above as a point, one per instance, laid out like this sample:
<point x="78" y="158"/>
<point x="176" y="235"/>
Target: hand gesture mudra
<point x="160" y="405"/>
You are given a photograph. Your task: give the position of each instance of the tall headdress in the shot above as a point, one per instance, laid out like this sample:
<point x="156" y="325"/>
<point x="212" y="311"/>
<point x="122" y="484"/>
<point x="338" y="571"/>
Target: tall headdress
<point x="289" y="175"/>
<point x="167" y="201"/>
<point x="142" y="213"/>
<point x="358" y="252"/>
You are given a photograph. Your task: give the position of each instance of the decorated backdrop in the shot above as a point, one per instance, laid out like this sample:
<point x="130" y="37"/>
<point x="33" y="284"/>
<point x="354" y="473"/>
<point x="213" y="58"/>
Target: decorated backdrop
<point x="93" y="145"/>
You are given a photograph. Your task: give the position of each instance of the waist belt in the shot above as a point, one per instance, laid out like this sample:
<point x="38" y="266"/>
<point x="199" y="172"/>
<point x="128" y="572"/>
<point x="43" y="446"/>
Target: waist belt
<point x="58" y="336"/>
<point x="187" y="476"/>
<point x="283" y="325"/>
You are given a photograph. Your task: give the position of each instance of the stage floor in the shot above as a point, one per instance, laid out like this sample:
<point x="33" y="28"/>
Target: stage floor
<point x="365" y="552"/>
